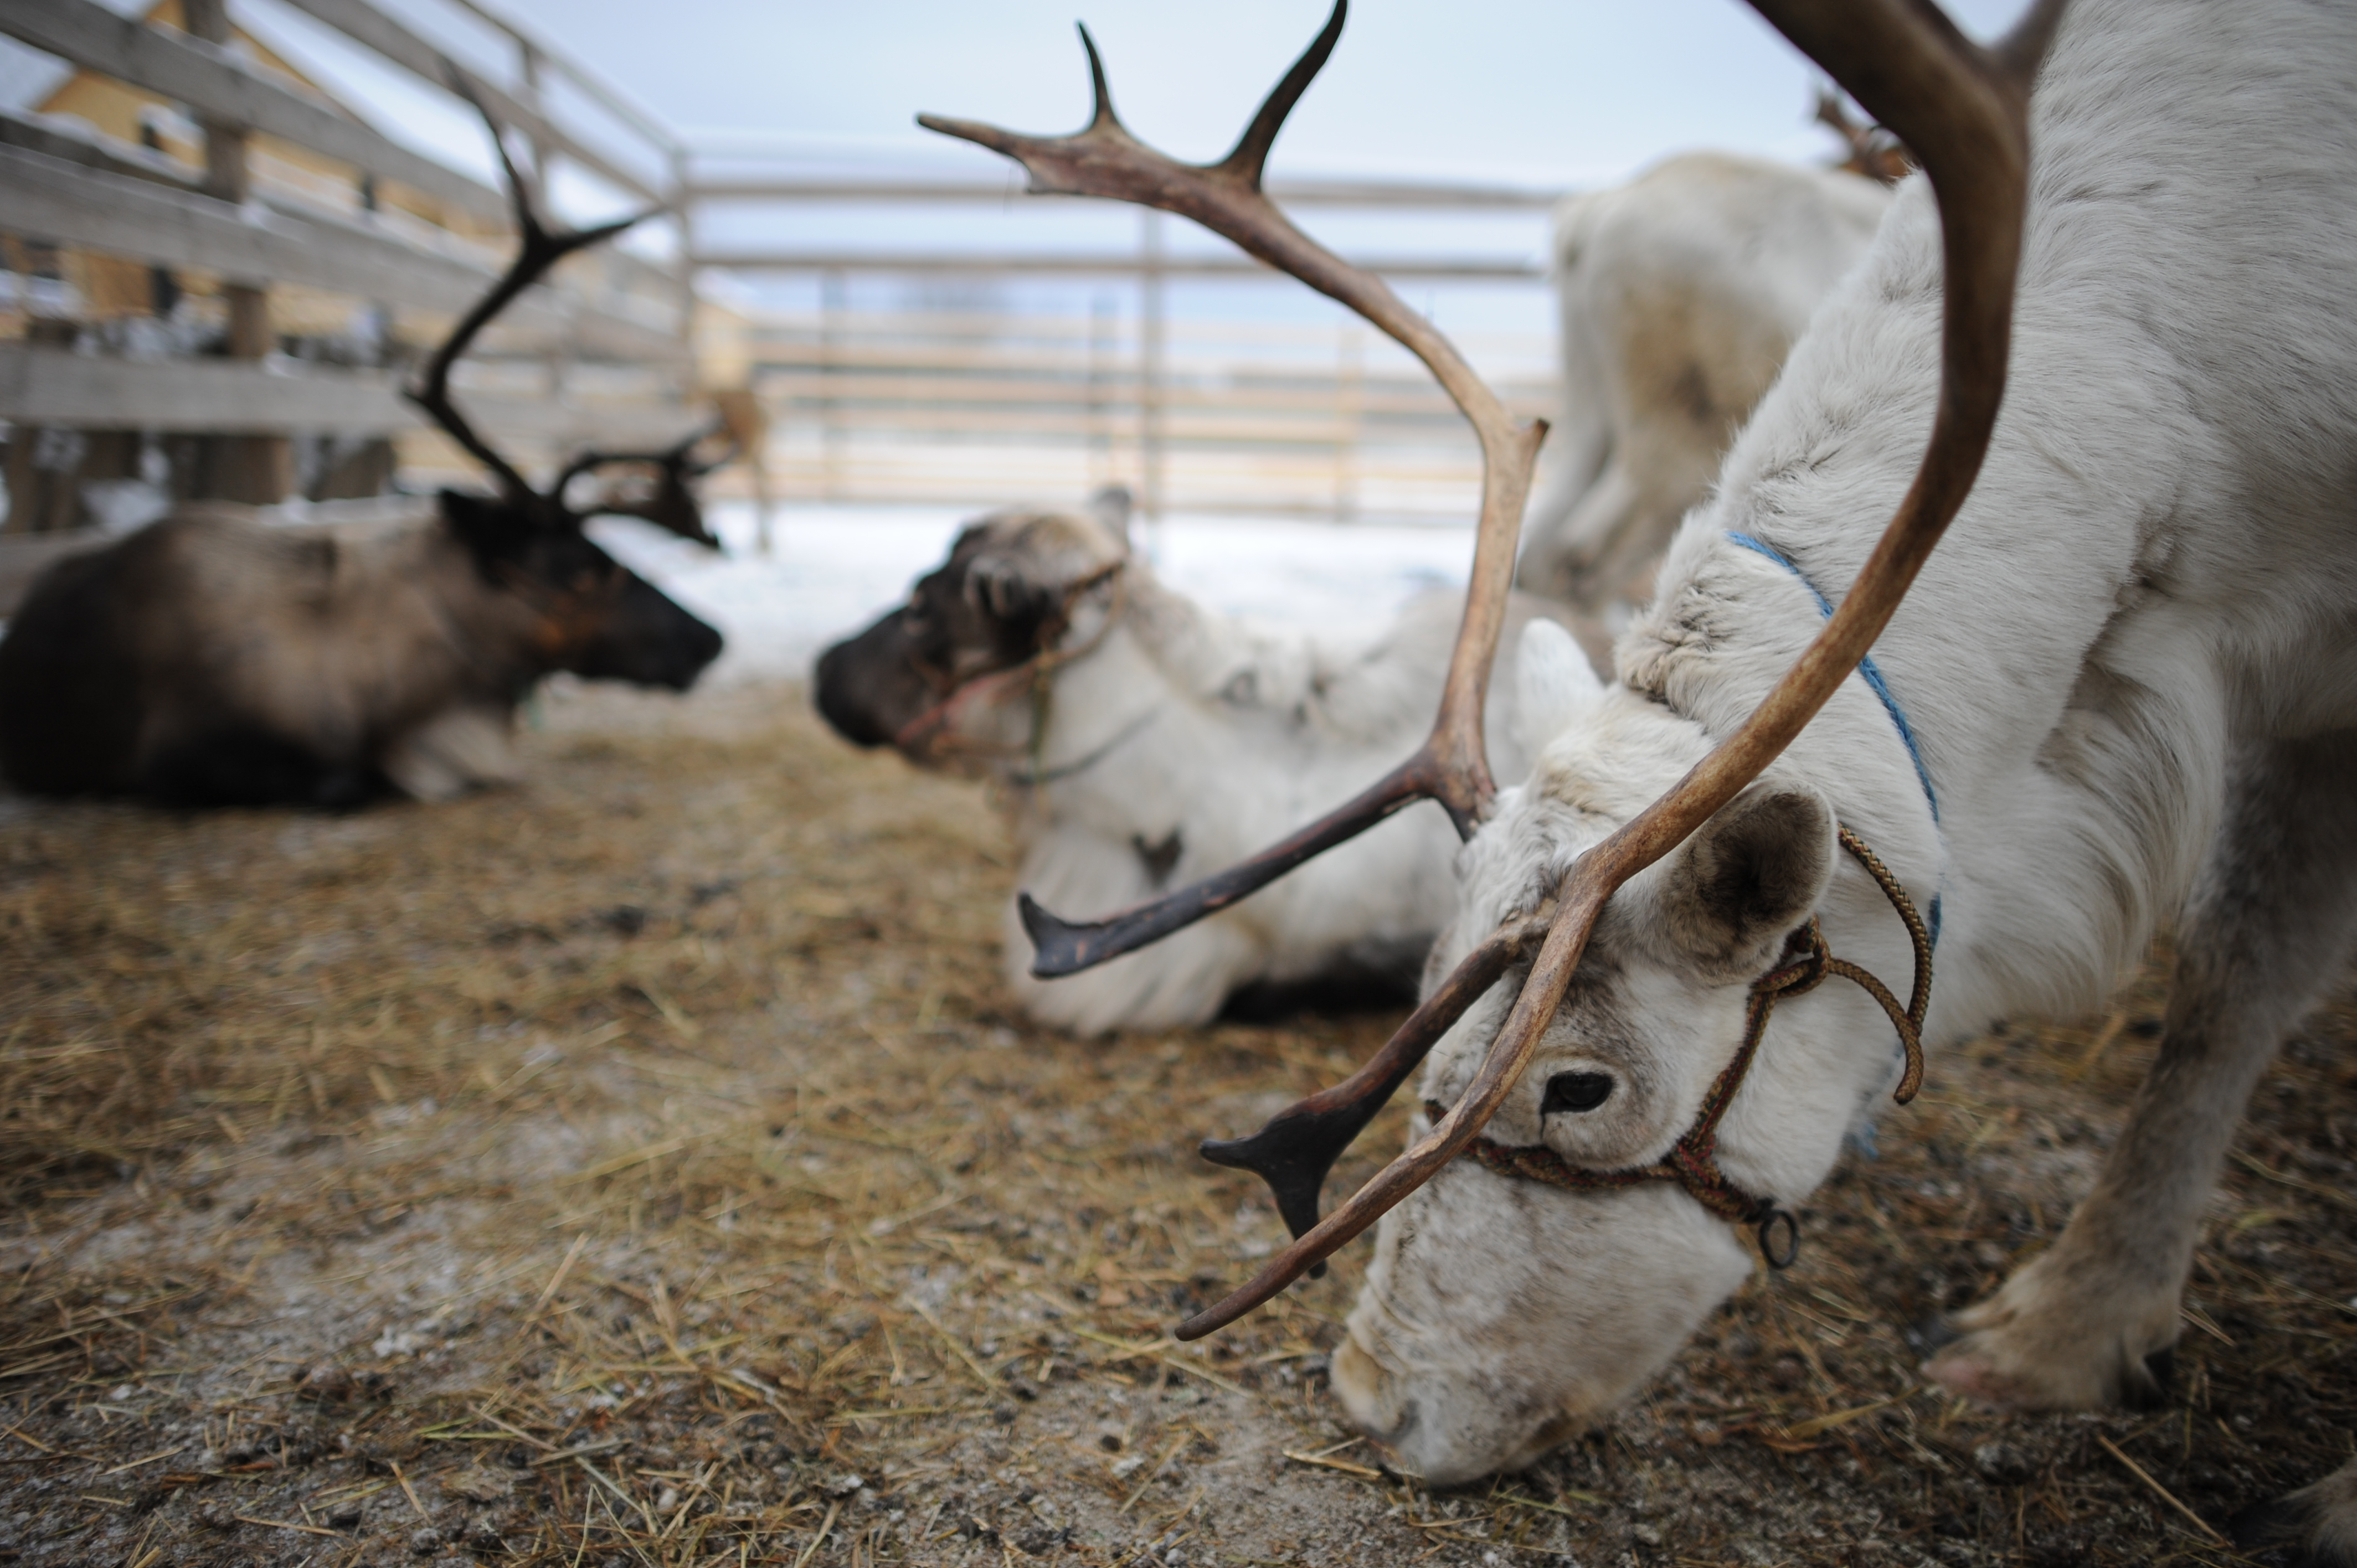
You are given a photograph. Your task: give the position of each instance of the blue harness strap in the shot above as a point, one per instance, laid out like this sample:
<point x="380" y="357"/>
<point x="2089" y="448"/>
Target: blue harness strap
<point x="1881" y="689"/>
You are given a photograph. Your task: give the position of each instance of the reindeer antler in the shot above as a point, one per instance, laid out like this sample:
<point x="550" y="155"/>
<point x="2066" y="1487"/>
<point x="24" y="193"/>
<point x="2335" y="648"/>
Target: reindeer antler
<point x="673" y="507"/>
<point x="537" y="251"/>
<point x="1451" y="767"/>
<point x="1874" y="152"/>
<point x="1965" y="110"/>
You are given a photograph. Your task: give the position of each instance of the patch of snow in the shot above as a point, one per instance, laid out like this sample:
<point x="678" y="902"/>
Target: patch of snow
<point x="835" y="569"/>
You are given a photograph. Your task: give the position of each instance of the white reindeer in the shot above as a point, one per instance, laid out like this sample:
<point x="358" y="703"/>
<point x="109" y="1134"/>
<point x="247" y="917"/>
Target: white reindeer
<point x="1136" y="739"/>
<point x="1678" y="296"/>
<point x="2130" y="680"/>
<point x="2124" y="693"/>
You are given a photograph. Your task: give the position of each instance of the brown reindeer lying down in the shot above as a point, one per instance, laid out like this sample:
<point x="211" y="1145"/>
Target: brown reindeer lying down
<point x="211" y="660"/>
<point x="214" y="660"/>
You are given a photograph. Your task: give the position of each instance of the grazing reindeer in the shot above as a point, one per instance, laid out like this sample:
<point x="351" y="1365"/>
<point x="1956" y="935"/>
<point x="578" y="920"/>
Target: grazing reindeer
<point x="2126" y="696"/>
<point x="1136" y="738"/>
<point x="211" y="660"/>
<point x="1678" y="296"/>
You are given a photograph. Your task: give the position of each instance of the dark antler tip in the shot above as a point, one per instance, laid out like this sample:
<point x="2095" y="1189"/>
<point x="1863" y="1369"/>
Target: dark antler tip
<point x="1055" y="950"/>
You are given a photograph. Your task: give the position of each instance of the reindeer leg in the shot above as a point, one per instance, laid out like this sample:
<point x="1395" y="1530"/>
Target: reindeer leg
<point x="2270" y="921"/>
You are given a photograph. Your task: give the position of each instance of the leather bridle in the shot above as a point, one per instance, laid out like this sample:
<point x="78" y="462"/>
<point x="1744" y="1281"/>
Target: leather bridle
<point x="929" y="733"/>
<point x="1693" y="1161"/>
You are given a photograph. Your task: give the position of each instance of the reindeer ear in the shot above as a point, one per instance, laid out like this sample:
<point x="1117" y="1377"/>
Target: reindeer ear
<point x="1748" y="876"/>
<point x="1554" y="685"/>
<point x="1113" y="506"/>
<point x="1000" y="584"/>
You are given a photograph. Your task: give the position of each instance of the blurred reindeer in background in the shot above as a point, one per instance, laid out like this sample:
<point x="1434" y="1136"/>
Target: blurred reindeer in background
<point x="1678" y="296"/>
<point x="1136" y="738"/>
<point x="213" y="660"/>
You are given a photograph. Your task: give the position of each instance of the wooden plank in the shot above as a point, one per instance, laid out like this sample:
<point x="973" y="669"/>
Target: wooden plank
<point x="216" y="84"/>
<point x="71" y="141"/>
<point x="53" y="386"/>
<point x="364" y="24"/>
<point x="1427" y="196"/>
<point x="597" y="92"/>
<point x="44" y="198"/>
<point x="1389" y="399"/>
<point x="1121" y="264"/>
<point x="49" y="386"/>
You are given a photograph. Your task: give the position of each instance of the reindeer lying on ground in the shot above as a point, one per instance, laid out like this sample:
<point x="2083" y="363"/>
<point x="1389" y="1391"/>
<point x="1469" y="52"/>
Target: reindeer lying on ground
<point x="1678" y="296"/>
<point x="2125" y="694"/>
<point x="1136" y="739"/>
<point x="209" y="660"/>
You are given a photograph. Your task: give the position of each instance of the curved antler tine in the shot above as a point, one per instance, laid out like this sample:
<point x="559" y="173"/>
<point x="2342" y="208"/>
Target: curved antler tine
<point x="1105" y="160"/>
<point x="1251" y="152"/>
<point x="1965" y="110"/>
<point x="1534" y="1009"/>
<point x="673" y="507"/>
<point x="1100" y="94"/>
<point x="537" y="251"/>
<point x="1299" y="1145"/>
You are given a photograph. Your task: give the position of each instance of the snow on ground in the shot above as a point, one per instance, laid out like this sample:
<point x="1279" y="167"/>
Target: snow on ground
<point x="835" y="569"/>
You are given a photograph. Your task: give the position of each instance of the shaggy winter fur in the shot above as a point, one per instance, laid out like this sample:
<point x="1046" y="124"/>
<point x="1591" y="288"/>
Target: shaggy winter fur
<point x="2133" y="669"/>
<point x="1678" y="296"/>
<point x="214" y="660"/>
<point x="1179" y="742"/>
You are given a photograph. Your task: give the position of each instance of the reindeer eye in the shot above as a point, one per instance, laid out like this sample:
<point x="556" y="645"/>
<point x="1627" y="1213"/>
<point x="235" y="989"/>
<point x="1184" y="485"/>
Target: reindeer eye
<point x="1575" y="1092"/>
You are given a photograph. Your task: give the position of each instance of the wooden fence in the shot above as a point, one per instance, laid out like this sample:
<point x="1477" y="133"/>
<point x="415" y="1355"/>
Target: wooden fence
<point x="322" y="255"/>
<point x="1195" y="411"/>
<point x="1235" y="416"/>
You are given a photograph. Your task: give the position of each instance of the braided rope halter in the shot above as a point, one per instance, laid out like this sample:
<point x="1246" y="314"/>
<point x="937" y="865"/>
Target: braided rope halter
<point x="1693" y="1161"/>
<point x="930" y="735"/>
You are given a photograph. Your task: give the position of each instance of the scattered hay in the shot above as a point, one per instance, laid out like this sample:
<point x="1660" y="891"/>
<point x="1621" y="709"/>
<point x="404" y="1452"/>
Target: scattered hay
<point x="645" y="1166"/>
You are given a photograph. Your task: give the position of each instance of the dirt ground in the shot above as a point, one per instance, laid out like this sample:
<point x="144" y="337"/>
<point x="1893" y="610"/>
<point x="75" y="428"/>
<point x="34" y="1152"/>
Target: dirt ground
<point x="646" y="1166"/>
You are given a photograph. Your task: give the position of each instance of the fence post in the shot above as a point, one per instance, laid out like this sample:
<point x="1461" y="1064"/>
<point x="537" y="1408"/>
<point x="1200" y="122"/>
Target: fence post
<point x="1098" y="433"/>
<point x="259" y="469"/>
<point x="557" y="362"/>
<point x="830" y="429"/>
<point x="1152" y="368"/>
<point x="1350" y="412"/>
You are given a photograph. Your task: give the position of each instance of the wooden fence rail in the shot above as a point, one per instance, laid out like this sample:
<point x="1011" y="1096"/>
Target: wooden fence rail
<point x="1243" y="416"/>
<point x="293" y="204"/>
<point x="295" y="209"/>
